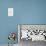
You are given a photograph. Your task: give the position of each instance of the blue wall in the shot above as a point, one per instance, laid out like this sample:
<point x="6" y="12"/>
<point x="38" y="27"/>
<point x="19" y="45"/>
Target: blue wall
<point x="25" y="12"/>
